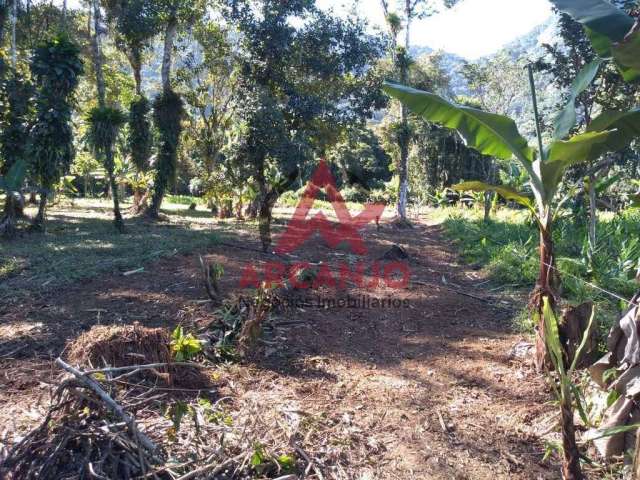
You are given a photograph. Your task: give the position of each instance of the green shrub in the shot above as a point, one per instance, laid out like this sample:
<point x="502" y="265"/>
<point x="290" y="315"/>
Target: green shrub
<point x="354" y="193"/>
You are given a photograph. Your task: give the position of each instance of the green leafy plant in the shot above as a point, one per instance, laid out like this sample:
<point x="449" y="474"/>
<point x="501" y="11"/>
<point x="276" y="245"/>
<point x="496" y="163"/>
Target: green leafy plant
<point x="56" y="68"/>
<point x="104" y="127"/>
<point x="498" y="136"/>
<point x="286" y="462"/>
<point x="614" y="34"/>
<point x="566" y="391"/>
<point x="15" y="111"/>
<point x="12" y="181"/>
<point x="11" y="184"/>
<point x="184" y="347"/>
<point x="168" y="112"/>
<point x="139" y="142"/>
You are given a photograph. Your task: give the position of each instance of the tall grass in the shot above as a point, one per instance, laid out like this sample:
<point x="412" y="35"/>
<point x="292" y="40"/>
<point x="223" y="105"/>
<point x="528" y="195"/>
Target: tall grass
<point x="506" y="249"/>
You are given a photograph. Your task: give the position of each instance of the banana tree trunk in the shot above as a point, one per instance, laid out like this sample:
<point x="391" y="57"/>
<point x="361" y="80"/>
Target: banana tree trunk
<point x="571" y="463"/>
<point x="546" y="286"/>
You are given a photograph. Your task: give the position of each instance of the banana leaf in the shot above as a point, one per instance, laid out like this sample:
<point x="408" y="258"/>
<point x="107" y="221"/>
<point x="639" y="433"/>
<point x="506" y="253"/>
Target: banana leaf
<point x="624" y="128"/>
<point x="489" y="133"/>
<point x="566" y="119"/>
<point x="14" y="178"/>
<point x="504" y="191"/>
<point x="565" y="153"/>
<point x="613" y="33"/>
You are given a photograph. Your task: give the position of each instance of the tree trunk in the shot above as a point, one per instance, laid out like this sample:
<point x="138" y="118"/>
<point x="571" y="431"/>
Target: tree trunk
<point x="489" y="196"/>
<point x="264" y="219"/>
<point x="546" y="286"/>
<point x="488" y="199"/>
<point x="3" y="18"/>
<point x="169" y="37"/>
<point x="159" y="188"/>
<point x="39" y="221"/>
<point x="161" y="184"/>
<point x="100" y="86"/>
<point x="97" y="54"/>
<point x="14" y="21"/>
<point x="268" y="199"/>
<point x="252" y="209"/>
<point x="404" y="137"/>
<point x="635" y="475"/>
<point x="8" y="223"/>
<point x="571" y="465"/>
<point x="135" y="61"/>
<point x="117" y="216"/>
<point x="593" y="216"/>
<point x="403" y="186"/>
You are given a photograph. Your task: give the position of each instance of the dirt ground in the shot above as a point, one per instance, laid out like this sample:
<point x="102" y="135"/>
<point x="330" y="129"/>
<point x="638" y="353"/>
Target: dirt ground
<point x="425" y="391"/>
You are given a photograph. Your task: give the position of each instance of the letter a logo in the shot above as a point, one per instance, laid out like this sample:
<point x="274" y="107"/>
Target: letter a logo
<point x="300" y="228"/>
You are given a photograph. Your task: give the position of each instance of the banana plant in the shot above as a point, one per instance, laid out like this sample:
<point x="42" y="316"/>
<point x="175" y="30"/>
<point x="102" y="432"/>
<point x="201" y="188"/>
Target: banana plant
<point x="566" y="391"/>
<point x="497" y="136"/>
<point x="614" y="34"/>
<point x="11" y="184"/>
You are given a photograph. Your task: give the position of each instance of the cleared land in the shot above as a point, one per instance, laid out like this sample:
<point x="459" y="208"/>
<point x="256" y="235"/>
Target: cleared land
<point x="367" y="393"/>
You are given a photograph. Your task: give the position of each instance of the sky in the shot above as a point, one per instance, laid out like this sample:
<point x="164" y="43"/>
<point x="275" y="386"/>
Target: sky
<point x="472" y="29"/>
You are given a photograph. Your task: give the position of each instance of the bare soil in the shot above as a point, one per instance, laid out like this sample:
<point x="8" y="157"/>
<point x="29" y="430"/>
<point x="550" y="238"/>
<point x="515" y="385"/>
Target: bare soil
<point x="423" y="392"/>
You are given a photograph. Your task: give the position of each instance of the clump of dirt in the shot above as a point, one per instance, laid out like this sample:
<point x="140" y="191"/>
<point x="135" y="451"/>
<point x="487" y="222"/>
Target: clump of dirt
<point x="120" y="346"/>
<point x="126" y="345"/>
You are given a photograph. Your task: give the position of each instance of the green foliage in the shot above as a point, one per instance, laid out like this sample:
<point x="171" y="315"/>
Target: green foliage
<point x="505" y="192"/>
<point x="300" y="86"/>
<point x="139" y="139"/>
<point x="13" y="179"/>
<point x="491" y="134"/>
<point x="184" y="347"/>
<point x="360" y="158"/>
<point x="56" y="68"/>
<point x="504" y="248"/>
<point x="613" y="33"/>
<point x="168" y="112"/>
<point x="15" y="113"/>
<point x="498" y="136"/>
<point x="262" y="461"/>
<point x="136" y="21"/>
<point x="104" y="126"/>
<point x="566" y="119"/>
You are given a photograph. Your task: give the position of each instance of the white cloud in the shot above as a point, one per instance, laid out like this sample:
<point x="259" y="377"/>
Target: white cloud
<point x="471" y="29"/>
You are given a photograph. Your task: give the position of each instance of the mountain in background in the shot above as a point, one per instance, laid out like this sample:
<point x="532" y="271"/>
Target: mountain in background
<point x="527" y="46"/>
